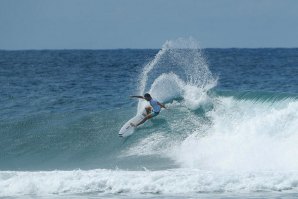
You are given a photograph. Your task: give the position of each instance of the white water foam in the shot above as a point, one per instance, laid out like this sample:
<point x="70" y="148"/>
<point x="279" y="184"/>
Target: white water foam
<point x="176" y="181"/>
<point x="248" y="146"/>
<point x="245" y="135"/>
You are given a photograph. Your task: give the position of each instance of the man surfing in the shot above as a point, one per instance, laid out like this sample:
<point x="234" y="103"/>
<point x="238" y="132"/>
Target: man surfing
<point x="152" y="110"/>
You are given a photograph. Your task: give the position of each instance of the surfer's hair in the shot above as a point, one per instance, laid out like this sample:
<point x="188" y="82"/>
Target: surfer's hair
<point x="147" y="95"/>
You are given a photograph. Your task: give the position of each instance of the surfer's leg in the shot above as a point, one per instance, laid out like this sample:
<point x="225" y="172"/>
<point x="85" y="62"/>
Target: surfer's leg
<point x="144" y="120"/>
<point x="149" y="116"/>
<point x="148" y="109"/>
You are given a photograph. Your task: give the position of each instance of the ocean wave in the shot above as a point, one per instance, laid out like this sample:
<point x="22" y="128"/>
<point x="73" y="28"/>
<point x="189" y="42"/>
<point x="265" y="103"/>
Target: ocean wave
<point x="255" y="133"/>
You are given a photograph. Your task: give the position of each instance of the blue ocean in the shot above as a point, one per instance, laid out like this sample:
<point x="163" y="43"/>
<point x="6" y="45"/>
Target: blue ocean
<point x="230" y="130"/>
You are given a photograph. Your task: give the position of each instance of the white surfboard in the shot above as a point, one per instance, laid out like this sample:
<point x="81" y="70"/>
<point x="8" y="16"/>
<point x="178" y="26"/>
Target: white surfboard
<point x="127" y="129"/>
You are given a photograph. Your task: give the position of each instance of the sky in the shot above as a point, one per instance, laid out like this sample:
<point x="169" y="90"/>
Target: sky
<point x="113" y="24"/>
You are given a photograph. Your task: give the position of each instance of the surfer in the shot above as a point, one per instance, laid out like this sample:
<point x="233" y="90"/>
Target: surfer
<point x="152" y="110"/>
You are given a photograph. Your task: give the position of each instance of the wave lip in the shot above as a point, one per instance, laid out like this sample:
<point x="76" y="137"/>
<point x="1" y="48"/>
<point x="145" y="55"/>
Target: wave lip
<point x="175" y="181"/>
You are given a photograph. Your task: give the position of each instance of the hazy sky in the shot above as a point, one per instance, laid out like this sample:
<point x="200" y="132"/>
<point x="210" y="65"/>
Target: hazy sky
<point x="105" y="24"/>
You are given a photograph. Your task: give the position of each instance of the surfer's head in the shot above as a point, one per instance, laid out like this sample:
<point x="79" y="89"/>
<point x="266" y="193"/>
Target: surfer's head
<point x="147" y="96"/>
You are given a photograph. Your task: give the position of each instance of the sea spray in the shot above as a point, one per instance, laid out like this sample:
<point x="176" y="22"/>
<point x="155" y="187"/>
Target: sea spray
<point x="178" y="66"/>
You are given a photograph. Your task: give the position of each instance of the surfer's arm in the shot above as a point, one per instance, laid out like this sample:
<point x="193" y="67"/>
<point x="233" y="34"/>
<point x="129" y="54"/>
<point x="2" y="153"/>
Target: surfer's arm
<point x="161" y="105"/>
<point x="137" y="96"/>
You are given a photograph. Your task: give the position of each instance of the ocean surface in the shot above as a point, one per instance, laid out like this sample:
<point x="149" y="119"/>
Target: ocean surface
<point x="230" y="131"/>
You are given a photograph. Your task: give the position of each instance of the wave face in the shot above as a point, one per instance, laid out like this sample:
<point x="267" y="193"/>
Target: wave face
<point x="210" y="140"/>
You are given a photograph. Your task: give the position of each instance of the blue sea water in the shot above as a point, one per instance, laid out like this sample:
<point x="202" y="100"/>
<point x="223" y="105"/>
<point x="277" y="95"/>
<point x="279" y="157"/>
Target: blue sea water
<point x="230" y="131"/>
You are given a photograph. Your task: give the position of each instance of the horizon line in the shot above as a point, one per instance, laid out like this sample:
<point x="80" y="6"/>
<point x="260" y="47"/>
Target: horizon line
<point x="90" y="49"/>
